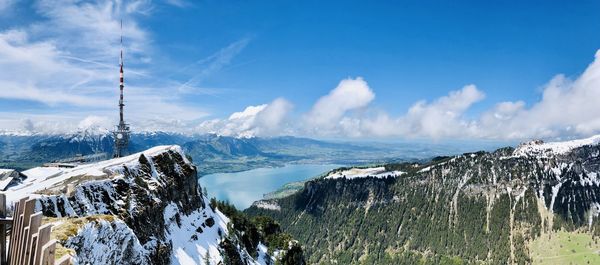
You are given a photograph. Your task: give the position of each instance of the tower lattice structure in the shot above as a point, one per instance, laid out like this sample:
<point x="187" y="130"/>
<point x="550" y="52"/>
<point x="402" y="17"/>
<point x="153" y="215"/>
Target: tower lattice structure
<point x="122" y="133"/>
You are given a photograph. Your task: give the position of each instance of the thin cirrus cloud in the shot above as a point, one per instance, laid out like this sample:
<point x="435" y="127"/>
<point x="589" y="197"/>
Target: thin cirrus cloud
<point x="568" y="108"/>
<point x="179" y="3"/>
<point x="211" y="64"/>
<point x="5" y="4"/>
<point x="71" y="60"/>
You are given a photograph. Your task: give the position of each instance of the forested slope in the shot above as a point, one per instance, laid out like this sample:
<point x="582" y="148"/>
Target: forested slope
<point x="484" y="207"/>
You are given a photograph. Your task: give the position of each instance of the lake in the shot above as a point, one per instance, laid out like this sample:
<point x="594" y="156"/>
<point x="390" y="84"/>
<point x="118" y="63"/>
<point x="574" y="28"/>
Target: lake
<point x="243" y="188"/>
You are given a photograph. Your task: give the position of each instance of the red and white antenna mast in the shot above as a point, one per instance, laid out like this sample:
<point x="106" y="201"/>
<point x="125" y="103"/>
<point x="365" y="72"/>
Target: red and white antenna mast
<point x="121" y="80"/>
<point x="122" y="133"/>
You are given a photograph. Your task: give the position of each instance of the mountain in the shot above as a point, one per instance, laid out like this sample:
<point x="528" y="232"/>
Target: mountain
<point x="30" y="150"/>
<point x="147" y="208"/>
<point x="537" y="203"/>
<point x="212" y="153"/>
<point x="228" y="154"/>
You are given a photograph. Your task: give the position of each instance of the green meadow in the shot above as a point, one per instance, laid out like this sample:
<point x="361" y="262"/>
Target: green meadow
<point x="565" y="248"/>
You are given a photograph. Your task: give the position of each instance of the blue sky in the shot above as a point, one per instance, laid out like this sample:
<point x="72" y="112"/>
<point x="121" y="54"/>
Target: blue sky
<point x="408" y="67"/>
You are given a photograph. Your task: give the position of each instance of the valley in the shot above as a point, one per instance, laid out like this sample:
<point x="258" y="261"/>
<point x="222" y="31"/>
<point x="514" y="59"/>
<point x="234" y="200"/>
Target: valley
<point x="213" y="153"/>
<point x="476" y="208"/>
<point x="537" y="203"/>
<point x="186" y="132"/>
<point x="243" y="188"/>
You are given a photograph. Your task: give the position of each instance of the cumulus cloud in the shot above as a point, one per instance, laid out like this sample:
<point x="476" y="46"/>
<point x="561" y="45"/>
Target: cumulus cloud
<point x="270" y="120"/>
<point x="350" y="94"/>
<point x="40" y="123"/>
<point x="27" y="125"/>
<point x="567" y="108"/>
<point x="95" y="123"/>
<point x="440" y="118"/>
<point x="260" y="120"/>
<point x="70" y="60"/>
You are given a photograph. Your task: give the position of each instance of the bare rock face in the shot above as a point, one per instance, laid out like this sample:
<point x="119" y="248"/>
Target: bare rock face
<point x="157" y="212"/>
<point x="96" y="240"/>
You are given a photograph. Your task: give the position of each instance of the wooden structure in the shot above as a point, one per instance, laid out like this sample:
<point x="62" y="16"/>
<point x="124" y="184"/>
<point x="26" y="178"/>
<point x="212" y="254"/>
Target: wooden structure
<point x="29" y="240"/>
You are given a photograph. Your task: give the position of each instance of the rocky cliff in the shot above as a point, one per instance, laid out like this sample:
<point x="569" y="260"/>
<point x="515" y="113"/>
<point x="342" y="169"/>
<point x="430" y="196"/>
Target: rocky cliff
<point x="146" y="208"/>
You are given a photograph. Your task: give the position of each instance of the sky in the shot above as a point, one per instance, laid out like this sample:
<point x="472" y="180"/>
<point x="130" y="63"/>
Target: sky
<point x="441" y="70"/>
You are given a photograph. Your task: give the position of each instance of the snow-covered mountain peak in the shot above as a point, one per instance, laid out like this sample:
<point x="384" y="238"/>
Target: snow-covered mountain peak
<point x="540" y="148"/>
<point x="50" y="179"/>
<point x="145" y="208"/>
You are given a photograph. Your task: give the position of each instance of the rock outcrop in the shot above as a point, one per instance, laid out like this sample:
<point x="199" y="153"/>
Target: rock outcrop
<point x="146" y="208"/>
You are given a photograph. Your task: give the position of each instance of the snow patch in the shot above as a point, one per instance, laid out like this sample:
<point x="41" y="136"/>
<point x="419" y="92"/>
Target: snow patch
<point x="104" y="242"/>
<point x="375" y="172"/>
<point x="555" y="190"/>
<point x="48" y="178"/>
<point x="594" y="212"/>
<point x="195" y="238"/>
<point x="539" y="148"/>
<point x="268" y="205"/>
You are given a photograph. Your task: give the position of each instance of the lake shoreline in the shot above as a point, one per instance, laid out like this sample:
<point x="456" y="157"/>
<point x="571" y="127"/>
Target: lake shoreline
<point x="242" y="188"/>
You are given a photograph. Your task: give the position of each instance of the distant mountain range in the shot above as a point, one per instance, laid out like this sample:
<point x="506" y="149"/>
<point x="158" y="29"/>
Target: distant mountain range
<point x="212" y="153"/>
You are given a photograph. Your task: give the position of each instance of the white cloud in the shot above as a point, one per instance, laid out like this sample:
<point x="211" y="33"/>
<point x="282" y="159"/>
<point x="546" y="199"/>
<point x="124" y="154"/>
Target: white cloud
<point x="39" y="123"/>
<point x="270" y="120"/>
<point x="69" y="58"/>
<point x="350" y="94"/>
<point x="211" y="64"/>
<point x="440" y="118"/>
<point x="35" y="71"/>
<point x="260" y="120"/>
<point x="6" y="4"/>
<point x="568" y="108"/>
<point x="178" y="3"/>
<point x="93" y="27"/>
<point x="443" y="117"/>
<point x="95" y="124"/>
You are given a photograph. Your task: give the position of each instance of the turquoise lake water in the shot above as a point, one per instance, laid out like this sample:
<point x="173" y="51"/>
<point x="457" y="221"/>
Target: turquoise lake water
<point x="243" y="188"/>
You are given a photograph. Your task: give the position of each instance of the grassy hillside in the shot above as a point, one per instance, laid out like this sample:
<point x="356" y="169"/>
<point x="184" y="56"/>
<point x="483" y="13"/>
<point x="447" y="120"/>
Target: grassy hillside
<point x="562" y="247"/>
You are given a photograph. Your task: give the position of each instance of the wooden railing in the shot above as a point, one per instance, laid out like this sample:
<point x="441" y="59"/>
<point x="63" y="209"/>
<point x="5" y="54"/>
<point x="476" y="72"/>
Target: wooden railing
<point x="30" y="241"/>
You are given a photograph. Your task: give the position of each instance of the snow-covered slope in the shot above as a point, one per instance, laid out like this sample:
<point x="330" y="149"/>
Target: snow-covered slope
<point x="54" y="179"/>
<point x="145" y="208"/>
<point x="539" y="148"/>
<point x="375" y="172"/>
